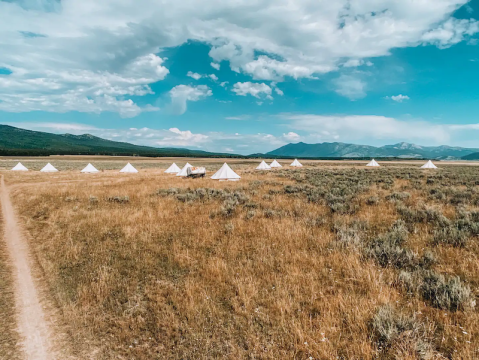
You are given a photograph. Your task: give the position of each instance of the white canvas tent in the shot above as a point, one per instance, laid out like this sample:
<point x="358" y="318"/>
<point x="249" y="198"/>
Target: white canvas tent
<point x="129" y="169"/>
<point x="263" y="166"/>
<point x="373" y="163"/>
<point x="226" y="174"/>
<point x="275" y="164"/>
<point x="429" y="165"/>
<point x="49" y="168"/>
<point x="89" y="169"/>
<point x="296" y="163"/>
<point x="173" y="169"/>
<point x="19" y="167"/>
<point x="184" y="172"/>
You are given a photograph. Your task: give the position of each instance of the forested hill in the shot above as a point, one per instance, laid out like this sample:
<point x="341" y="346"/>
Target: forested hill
<point x="21" y="142"/>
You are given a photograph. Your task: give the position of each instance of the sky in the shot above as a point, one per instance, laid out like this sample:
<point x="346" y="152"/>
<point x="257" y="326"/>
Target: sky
<point x="243" y="76"/>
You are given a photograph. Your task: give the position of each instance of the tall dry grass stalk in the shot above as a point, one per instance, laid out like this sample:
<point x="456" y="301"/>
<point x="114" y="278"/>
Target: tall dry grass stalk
<point x="255" y="269"/>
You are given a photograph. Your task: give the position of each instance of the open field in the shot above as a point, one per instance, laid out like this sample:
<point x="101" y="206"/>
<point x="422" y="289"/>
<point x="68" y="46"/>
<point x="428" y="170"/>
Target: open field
<point x="70" y="162"/>
<point x="330" y="261"/>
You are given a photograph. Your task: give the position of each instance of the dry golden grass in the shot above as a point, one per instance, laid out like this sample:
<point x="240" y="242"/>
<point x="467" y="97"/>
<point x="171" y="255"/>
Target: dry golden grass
<point x="156" y="277"/>
<point x="8" y="335"/>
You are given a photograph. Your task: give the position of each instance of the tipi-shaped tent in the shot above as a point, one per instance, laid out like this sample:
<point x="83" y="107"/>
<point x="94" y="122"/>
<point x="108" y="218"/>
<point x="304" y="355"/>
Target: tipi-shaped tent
<point x="49" y="168"/>
<point x="226" y="174"/>
<point x="129" y="169"/>
<point x="19" y="167"/>
<point x="296" y="163"/>
<point x="263" y="166"/>
<point x="373" y="163"/>
<point x="275" y="164"/>
<point x="184" y="172"/>
<point x="89" y="169"/>
<point x="173" y="169"/>
<point x="429" y="165"/>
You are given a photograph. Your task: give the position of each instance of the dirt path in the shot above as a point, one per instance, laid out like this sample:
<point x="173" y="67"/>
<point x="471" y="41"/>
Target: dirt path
<point x="32" y="324"/>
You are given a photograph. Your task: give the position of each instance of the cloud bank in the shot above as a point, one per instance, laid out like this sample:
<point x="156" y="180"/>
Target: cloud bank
<point x="93" y="56"/>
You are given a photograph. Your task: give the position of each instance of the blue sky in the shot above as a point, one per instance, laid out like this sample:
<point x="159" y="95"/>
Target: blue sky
<point x="244" y="76"/>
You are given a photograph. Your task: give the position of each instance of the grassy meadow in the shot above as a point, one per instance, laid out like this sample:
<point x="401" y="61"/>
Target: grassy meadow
<point x="322" y="262"/>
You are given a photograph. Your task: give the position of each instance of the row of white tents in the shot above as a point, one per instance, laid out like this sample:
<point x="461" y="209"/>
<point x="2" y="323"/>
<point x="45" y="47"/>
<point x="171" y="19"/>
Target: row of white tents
<point x="225" y="173"/>
<point x="89" y="169"/>
<point x="275" y="164"/>
<point x="428" y="165"/>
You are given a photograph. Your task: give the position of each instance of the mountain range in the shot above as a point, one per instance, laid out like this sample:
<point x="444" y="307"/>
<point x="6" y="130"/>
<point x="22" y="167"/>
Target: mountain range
<point x="400" y="150"/>
<point x="21" y="142"/>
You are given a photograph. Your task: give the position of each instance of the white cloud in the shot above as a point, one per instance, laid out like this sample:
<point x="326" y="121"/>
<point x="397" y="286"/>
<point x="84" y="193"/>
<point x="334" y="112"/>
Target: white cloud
<point x="350" y="86"/>
<point x="54" y="127"/>
<point x="95" y="56"/>
<point x="224" y="83"/>
<point x="291" y="137"/>
<point x="398" y="98"/>
<point x="255" y="89"/>
<point x="365" y="128"/>
<point x="181" y="94"/>
<point x="182" y="138"/>
<point x="451" y="32"/>
<point x="241" y="117"/>
<point x="357" y="63"/>
<point x="353" y="63"/>
<point x="193" y="75"/>
<point x="279" y="91"/>
<point x="197" y="76"/>
<point x="215" y="65"/>
<point x="83" y="90"/>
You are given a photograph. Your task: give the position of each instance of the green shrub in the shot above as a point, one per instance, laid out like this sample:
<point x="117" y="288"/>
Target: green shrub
<point x="391" y="328"/>
<point x="451" y="235"/>
<point x="372" y="200"/>
<point x="446" y="293"/>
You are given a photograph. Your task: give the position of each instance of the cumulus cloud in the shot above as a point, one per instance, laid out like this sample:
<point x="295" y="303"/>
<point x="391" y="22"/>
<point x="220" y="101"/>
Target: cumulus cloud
<point x="197" y="76"/>
<point x="291" y="137"/>
<point x="357" y="63"/>
<point x="179" y="137"/>
<point x="398" y="98"/>
<point x="215" y="65"/>
<point x="181" y="94"/>
<point x="193" y="75"/>
<point x="82" y="90"/>
<point x="255" y="89"/>
<point x="350" y="86"/>
<point x="93" y="56"/>
<point x="366" y="127"/>
<point x="451" y="32"/>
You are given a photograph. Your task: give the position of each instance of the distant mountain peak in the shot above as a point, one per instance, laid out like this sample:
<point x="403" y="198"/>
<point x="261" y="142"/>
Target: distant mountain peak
<point x="399" y="150"/>
<point x="405" y="145"/>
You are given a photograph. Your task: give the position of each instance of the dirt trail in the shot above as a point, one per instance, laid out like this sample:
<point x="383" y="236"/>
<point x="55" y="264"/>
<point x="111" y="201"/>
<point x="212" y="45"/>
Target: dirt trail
<point x="32" y="324"/>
